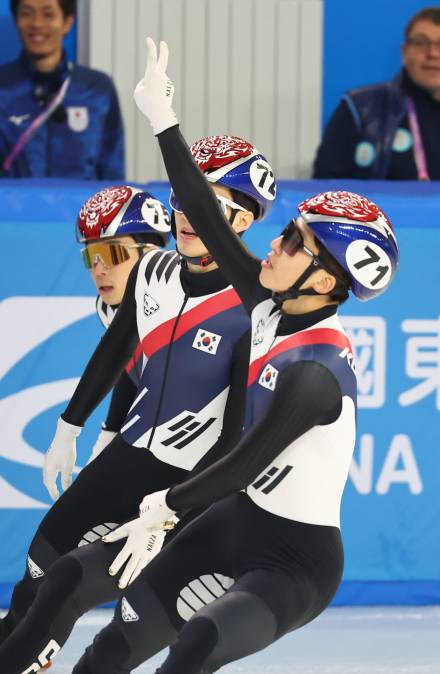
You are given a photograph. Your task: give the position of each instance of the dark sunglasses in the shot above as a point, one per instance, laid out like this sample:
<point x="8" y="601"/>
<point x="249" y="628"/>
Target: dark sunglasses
<point x="293" y="241"/>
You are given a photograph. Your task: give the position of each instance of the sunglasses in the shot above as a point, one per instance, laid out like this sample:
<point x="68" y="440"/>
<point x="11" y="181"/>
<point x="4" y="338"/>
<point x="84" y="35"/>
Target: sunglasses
<point x="108" y="254"/>
<point x="224" y="204"/>
<point x="292" y="241"/>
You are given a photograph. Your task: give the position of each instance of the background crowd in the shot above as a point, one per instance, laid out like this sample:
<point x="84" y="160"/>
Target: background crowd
<point x="60" y="119"/>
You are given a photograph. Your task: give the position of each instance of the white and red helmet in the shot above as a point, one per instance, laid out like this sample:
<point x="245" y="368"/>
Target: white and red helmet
<point x="358" y="234"/>
<point x="238" y="165"/>
<point x="122" y="211"/>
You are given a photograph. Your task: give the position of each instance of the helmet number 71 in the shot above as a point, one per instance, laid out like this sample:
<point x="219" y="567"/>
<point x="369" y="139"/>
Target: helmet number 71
<point x="372" y="258"/>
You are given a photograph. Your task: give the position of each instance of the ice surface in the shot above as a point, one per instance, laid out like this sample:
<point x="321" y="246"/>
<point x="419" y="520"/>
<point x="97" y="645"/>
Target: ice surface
<point x="374" y="640"/>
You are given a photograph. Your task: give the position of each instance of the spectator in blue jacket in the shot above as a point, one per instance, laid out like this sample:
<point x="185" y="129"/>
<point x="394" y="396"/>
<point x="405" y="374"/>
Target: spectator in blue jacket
<point x="57" y="118"/>
<point x="391" y="130"/>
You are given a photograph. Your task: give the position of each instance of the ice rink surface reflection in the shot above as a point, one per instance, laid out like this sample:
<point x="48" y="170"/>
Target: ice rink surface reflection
<point x="374" y="640"/>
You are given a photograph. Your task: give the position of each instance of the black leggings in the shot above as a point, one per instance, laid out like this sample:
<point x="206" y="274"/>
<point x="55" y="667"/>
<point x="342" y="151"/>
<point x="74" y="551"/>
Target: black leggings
<point x="223" y="588"/>
<point x="108" y="490"/>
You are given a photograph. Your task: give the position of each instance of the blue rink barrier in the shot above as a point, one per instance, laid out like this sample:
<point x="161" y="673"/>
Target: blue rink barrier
<point x="390" y="511"/>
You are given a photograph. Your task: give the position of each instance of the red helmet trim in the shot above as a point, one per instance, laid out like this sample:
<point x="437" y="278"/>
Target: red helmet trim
<point x="343" y="205"/>
<point x="215" y="152"/>
<point x="101" y="209"/>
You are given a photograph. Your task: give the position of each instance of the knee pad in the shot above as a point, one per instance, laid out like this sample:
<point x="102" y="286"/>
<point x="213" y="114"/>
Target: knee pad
<point x="108" y="654"/>
<point x="139" y="630"/>
<point x="235" y="625"/>
<point x="78" y="582"/>
<point x="97" y="586"/>
<point x="54" y="610"/>
<point x="193" y="649"/>
<point x="244" y="625"/>
<point x="145" y="623"/>
<point x="40" y="558"/>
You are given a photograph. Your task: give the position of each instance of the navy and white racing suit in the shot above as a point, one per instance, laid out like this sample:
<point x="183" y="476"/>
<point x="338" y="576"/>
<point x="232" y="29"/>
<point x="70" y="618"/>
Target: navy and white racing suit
<point x="188" y="332"/>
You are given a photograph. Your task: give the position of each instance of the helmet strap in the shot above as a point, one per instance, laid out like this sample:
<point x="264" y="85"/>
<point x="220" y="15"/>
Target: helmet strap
<point x="202" y="261"/>
<point x="294" y="291"/>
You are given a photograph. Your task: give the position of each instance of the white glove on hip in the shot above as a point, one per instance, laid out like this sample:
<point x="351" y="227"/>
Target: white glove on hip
<point x="60" y="457"/>
<point x="104" y="438"/>
<point x="153" y="510"/>
<point x="154" y="93"/>
<point x="141" y="547"/>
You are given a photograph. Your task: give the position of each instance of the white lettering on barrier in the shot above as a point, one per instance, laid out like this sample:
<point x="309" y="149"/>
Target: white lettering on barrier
<point x="400" y="452"/>
<point x="399" y="467"/>
<point x="367" y="335"/>
<point x="422" y="360"/>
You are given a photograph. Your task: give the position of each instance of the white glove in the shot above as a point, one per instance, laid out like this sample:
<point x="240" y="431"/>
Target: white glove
<point x="104" y="438"/>
<point x="60" y="457"/>
<point x="154" y="93"/>
<point x="153" y="510"/>
<point x="141" y="547"/>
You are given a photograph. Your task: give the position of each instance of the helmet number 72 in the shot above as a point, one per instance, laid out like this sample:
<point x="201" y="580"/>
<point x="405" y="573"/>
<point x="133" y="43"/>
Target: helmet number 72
<point x="266" y="176"/>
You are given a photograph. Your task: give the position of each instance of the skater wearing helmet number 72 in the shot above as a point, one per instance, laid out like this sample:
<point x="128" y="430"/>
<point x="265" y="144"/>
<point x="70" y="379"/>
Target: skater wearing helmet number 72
<point x="265" y="557"/>
<point x="189" y="333"/>
<point x="271" y="536"/>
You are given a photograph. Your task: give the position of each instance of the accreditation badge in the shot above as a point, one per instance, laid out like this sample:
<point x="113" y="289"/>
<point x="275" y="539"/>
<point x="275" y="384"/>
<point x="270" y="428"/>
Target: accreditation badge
<point x="364" y="154"/>
<point x="78" y="118"/>
<point x="403" y="140"/>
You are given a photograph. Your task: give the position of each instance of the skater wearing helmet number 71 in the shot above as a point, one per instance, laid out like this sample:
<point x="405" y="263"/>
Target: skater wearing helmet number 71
<point x="266" y="555"/>
<point x="271" y="535"/>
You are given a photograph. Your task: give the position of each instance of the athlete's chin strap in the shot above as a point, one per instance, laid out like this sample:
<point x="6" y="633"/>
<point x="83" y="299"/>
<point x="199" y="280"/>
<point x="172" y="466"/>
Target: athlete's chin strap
<point x="202" y="261"/>
<point x="294" y="291"/>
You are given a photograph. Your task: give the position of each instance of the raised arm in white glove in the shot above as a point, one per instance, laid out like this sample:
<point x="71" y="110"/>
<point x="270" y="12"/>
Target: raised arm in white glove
<point x="154" y="93"/>
<point x="145" y="536"/>
<point x="104" y="438"/>
<point x="60" y="457"/>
